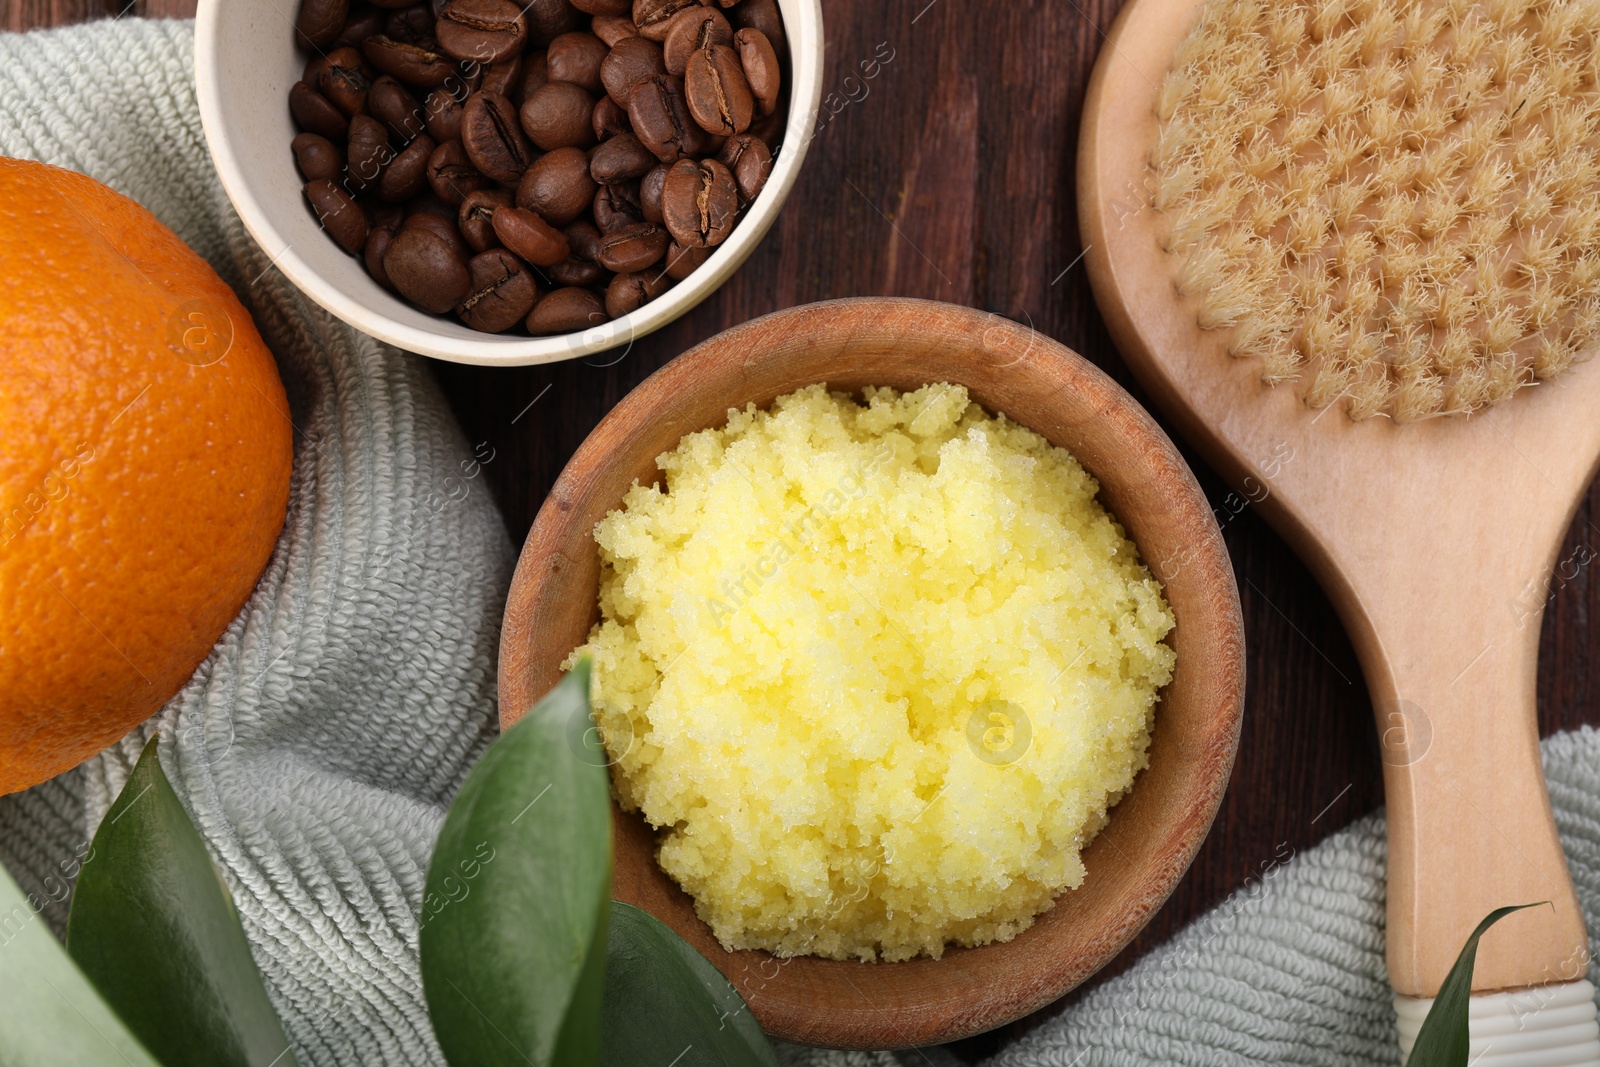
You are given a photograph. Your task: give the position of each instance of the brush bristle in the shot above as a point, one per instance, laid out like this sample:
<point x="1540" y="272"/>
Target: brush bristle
<point x="1396" y="202"/>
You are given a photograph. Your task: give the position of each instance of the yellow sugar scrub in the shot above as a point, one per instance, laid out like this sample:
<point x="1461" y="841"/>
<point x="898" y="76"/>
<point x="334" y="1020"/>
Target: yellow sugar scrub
<point x="877" y="671"/>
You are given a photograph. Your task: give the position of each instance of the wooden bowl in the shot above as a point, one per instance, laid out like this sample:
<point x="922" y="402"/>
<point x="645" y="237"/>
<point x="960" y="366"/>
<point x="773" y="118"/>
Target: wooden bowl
<point x="1153" y="833"/>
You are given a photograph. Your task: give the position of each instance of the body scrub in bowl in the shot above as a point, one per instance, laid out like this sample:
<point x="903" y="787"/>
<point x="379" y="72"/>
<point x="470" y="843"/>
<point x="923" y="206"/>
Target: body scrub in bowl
<point x="876" y="670"/>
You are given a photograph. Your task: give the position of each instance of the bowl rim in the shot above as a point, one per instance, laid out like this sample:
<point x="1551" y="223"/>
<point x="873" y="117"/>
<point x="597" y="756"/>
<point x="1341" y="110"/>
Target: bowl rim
<point x="805" y="98"/>
<point x="1218" y="701"/>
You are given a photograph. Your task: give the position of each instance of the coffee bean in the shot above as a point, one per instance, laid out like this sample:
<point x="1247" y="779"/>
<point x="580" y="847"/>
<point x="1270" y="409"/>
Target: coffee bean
<point x="613" y="28"/>
<point x="441" y="226"/>
<point x="750" y="161"/>
<point x="343" y="82"/>
<point x="475" y="219"/>
<point x="692" y="29"/>
<point x="367" y="153"/>
<point x="661" y="119"/>
<point x="566" y="311"/>
<point x="654" y="17"/>
<point x="632" y="61"/>
<point x="549" y="19"/>
<point x="760" y="65"/>
<point x="312" y="112"/>
<point x="558" y="186"/>
<point x="617" y="206"/>
<point x="761" y="15"/>
<point x="481" y="30"/>
<point x="529" y="236"/>
<point x="631" y="291"/>
<point x="493" y="137"/>
<point x="378" y="242"/>
<point x="699" y="202"/>
<point x="504" y="77"/>
<point x="576" y="58"/>
<point x="392" y="104"/>
<point x="312" y="74"/>
<point x="718" y="96"/>
<point x="407" y="174"/>
<point x="319" y="21"/>
<point x="633" y="247"/>
<point x="682" y="262"/>
<point x="443" y="112"/>
<point x="609" y="9"/>
<point x="317" y="157"/>
<point x="412" y="63"/>
<point x="609" y="119"/>
<point x="452" y="175"/>
<point x="500" y="292"/>
<point x="338" y="213"/>
<point x="559" y="115"/>
<point x="580" y="268"/>
<point x="410" y="23"/>
<point x="619" y="159"/>
<point x="426" y="270"/>
<point x="362" y="23"/>
<point x="769" y="128"/>
<point x="650" y="191"/>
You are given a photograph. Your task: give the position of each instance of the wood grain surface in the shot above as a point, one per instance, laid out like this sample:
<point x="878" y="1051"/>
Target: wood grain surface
<point x="949" y="175"/>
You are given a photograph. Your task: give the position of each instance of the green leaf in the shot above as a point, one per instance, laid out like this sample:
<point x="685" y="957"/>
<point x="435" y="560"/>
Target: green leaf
<point x="514" y="915"/>
<point x="49" y="1014"/>
<point x="1443" y="1039"/>
<point x="665" y="1003"/>
<point x="153" y="928"/>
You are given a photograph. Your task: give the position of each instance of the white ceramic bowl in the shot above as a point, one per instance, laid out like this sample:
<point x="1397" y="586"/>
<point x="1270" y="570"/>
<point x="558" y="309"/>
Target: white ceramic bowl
<point x="245" y="62"/>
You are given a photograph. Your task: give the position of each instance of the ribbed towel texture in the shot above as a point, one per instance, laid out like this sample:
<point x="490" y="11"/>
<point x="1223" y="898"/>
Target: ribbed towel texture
<point x="318" y="745"/>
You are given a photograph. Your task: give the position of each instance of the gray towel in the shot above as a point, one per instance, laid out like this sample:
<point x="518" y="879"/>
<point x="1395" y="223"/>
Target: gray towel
<point x="319" y="743"/>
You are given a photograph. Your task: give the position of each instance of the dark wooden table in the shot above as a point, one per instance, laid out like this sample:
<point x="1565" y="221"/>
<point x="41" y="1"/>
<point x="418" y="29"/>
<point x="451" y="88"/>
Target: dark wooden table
<point x="949" y="175"/>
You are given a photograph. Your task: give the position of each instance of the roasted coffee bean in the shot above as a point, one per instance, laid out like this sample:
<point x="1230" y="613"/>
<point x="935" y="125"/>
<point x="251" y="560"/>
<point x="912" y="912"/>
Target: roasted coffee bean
<point x="500" y="292"/>
<point x="661" y="120"/>
<point x="613" y="28"/>
<point x="493" y="137"/>
<point x="611" y="9"/>
<point x="407" y="174"/>
<point x="559" y="115"/>
<point x="530" y="237"/>
<point x="580" y="268"/>
<point x="411" y="23"/>
<point x="317" y="157"/>
<point x="650" y="191"/>
<point x="761" y="15"/>
<point x="412" y="63"/>
<point x="441" y="226"/>
<point x="632" y="61"/>
<point x="319" y="22"/>
<point x="633" y="247"/>
<point x="452" y="175"/>
<point x="558" y="186"/>
<point x="609" y="119"/>
<point x="313" y="112"/>
<point x="503" y="77"/>
<point x="617" y="206"/>
<point x="339" y="214"/>
<point x="631" y="291"/>
<point x="682" y="262"/>
<point x="549" y="19"/>
<point x="343" y="81"/>
<point x="566" y="311"/>
<point x="430" y="204"/>
<point x="749" y="161"/>
<point x="620" y="159"/>
<point x="476" y="217"/>
<point x="362" y="23"/>
<point x="769" y="128"/>
<point x="378" y="242"/>
<point x="654" y="17"/>
<point x="443" y="112"/>
<point x="699" y="202"/>
<point x="368" y="152"/>
<point x="426" y="270"/>
<point x="483" y="30"/>
<point x="718" y="96"/>
<point x="692" y="29"/>
<point x="576" y="58"/>
<point x="760" y="65"/>
<point x="392" y="104"/>
<point x="312" y="74"/>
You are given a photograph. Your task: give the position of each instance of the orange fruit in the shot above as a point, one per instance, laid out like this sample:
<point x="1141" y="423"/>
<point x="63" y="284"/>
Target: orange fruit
<point x="145" y="448"/>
